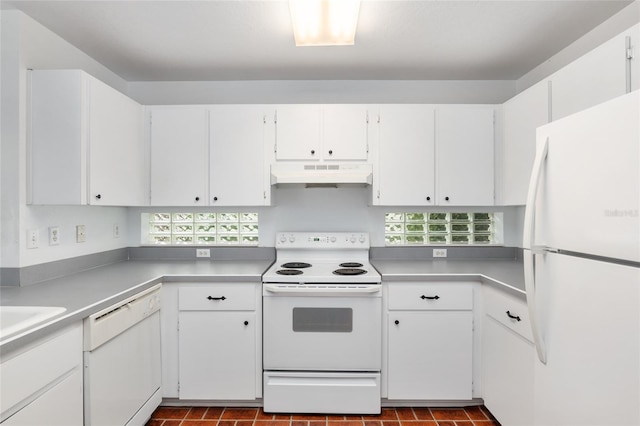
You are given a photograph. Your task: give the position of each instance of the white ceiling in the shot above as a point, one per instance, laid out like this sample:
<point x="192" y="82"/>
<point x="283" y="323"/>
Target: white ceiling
<point x="252" y="40"/>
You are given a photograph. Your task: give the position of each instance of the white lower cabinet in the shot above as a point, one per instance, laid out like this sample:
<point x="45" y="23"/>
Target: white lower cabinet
<point x="430" y="341"/>
<point x="43" y="385"/>
<point x="217" y="355"/>
<point x="508" y="359"/>
<point x="212" y="341"/>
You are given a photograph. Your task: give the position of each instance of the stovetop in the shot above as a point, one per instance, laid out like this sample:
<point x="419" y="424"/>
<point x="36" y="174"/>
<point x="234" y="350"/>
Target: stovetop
<point x="322" y="257"/>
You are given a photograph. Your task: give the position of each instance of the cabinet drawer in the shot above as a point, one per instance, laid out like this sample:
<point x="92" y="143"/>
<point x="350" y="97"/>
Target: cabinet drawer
<point x="28" y="373"/>
<point x="430" y="296"/>
<point x="510" y="311"/>
<point x="218" y="297"/>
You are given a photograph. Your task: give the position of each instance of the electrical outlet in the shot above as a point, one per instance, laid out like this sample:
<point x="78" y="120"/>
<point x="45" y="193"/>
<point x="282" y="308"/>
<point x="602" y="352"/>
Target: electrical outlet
<point x="439" y="252"/>
<point x="203" y="253"/>
<point x="81" y="234"/>
<point x="32" y="238"/>
<point x="116" y="230"/>
<point x="54" y="235"/>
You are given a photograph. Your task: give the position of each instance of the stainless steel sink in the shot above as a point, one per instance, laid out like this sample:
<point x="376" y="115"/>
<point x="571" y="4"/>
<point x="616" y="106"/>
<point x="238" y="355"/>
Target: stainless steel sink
<point x="16" y="318"/>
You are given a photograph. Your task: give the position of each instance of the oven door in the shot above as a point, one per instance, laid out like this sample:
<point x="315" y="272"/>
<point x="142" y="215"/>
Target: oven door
<point x="331" y="328"/>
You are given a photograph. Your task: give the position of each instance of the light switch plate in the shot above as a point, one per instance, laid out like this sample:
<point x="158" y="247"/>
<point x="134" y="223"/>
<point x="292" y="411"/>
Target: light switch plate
<point x="32" y="238"/>
<point x="81" y="234"/>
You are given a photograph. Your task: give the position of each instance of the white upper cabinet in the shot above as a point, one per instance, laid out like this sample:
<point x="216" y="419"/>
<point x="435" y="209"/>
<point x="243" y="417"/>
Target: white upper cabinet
<point x="321" y="132"/>
<point x="179" y="156"/>
<point x="345" y="132"/>
<point x="602" y="74"/>
<point x="464" y="156"/>
<point x="522" y="115"/>
<point x="86" y="142"/>
<point x="238" y="172"/>
<point x="405" y="171"/>
<point x="434" y="155"/>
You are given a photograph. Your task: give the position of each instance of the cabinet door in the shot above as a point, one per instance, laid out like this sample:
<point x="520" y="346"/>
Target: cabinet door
<point x="464" y="156"/>
<point x="217" y="352"/>
<point x="60" y="405"/>
<point x="116" y="154"/>
<point x="430" y="355"/>
<point x="596" y="77"/>
<point x="523" y="114"/>
<point x="179" y="156"/>
<point x="237" y="165"/>
<point x="344" y="132"/>
<point x="406" y="175"/>
<point x="507" y="374"/>
<point x="298" y="132"/>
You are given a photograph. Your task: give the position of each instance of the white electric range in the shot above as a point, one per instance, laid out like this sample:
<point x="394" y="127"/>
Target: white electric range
<point x="322" y="323"/>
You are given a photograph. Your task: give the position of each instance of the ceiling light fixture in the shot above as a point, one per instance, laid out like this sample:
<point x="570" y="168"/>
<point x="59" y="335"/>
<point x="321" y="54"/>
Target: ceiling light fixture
<point x="324" y="22"/>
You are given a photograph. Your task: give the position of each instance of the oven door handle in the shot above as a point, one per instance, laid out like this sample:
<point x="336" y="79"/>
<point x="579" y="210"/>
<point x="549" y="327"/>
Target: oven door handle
<point x="329" y="290"/>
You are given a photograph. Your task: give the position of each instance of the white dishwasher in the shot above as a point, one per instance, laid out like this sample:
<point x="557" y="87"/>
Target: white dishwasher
<point x="122" y="371"/>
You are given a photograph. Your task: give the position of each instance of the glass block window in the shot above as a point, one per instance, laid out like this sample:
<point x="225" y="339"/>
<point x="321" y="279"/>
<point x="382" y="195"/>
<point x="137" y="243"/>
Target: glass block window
<point x="427" y="228"/>
<point x="201" y="228"/>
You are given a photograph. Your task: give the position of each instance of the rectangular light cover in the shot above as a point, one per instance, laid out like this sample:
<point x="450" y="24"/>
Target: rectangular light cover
<point x="324" y="22"/>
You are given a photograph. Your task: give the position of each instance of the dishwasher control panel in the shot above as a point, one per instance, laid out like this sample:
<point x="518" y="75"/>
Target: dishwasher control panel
<point x="107" y="323"/>
<point x="153" y="303"/>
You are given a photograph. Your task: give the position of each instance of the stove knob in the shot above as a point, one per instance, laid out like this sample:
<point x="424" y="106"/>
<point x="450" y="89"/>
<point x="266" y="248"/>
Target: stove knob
<point x="333" y="239"/>
<point x="283" y="239"/>
<point x="353" y="239"/>
<point x="362" y="239"/>
<point x="292" y="239"/>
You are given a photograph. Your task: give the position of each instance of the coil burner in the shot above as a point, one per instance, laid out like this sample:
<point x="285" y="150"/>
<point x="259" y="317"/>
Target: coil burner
<point x="349" y="271"/>
<point x="288" y="272"/>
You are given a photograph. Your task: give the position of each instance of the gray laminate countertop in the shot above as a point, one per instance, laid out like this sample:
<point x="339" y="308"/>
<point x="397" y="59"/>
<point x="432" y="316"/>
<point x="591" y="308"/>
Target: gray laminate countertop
<point x="505" y="273"/>
<point x="87" y="292"/>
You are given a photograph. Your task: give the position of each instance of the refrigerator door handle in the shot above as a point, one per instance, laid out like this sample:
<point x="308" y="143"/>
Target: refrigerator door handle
<point x="530" y="208"/>
<point x="530" y="251"/>
<point x="530" y="288"/>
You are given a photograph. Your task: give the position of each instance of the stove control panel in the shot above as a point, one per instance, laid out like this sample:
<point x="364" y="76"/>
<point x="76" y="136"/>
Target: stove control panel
<point x="322" y="240"/>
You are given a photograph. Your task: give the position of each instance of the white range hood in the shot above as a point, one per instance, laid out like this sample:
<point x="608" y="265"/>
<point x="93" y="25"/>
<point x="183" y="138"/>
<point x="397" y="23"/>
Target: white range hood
<point x="321" y="174"/>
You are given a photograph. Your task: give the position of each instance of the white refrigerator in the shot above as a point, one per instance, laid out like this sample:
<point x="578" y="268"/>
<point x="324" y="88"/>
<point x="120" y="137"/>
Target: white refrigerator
<point x="582" y="266"/>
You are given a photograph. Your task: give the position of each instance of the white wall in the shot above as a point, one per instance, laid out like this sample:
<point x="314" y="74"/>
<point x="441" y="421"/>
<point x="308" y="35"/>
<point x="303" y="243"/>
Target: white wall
<point x="317" y="91"/>
<point x="26" y="44"/>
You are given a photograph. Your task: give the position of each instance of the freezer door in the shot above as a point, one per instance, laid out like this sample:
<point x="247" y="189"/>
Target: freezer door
<point x="588" y="198"/>
<point x="589" y="312"/>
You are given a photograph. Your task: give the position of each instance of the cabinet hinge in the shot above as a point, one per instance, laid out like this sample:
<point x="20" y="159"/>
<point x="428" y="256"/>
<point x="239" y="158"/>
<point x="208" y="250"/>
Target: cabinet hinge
<point x="275" y="118"/>
<point x="264" y="119"/>
<point x="264" y="195"/>
<point x="367" y="118"/>
<point x="378" y="119"/>
<point x="378" y="194"/>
